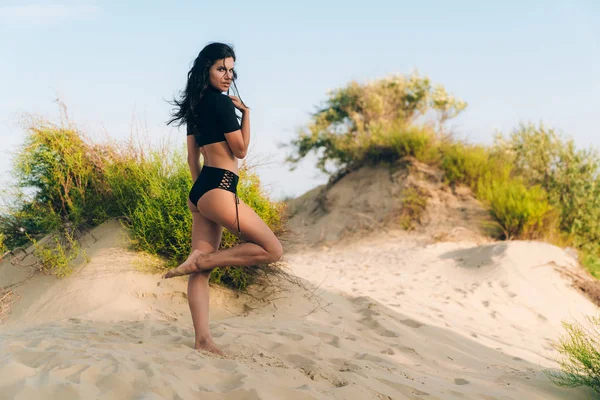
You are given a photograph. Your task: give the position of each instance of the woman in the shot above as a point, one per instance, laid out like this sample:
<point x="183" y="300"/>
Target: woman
<point x="213" y="130"/>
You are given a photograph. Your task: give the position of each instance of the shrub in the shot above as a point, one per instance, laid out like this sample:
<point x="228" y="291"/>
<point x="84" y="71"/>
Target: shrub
<point x="521" y="211"/>
<point x="58" y="163"/>
<point x="360" y="122"/>
<point x="150" y="191"/>
<point x="56" y="258"/>
<point x="580" y="362"/>
<point x="591" y="260"/>
<point x="467" y="164"/>
<point x="24" y="219"/>
<point x="399" y="141"/>
<point x="569" y="176"/>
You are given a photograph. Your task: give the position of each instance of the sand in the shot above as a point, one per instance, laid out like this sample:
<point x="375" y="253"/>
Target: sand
<point x="385" y="317"/>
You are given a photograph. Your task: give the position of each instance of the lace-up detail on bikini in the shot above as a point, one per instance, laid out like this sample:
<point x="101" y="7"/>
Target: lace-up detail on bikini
<point x="229" y="179"/>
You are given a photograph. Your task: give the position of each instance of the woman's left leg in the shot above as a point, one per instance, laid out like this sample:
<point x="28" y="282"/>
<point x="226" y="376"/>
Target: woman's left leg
<point x="206" y="237"/>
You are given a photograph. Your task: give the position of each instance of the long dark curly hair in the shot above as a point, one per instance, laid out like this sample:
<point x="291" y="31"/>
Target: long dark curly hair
<point x="198" y="81"/>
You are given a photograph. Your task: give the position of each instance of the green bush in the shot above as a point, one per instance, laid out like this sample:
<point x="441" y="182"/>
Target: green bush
<point x="56" y="258"/>
<point x="521" y="211"/>
<point x="467" y="164"/>
<point x="59" y="164"/>
<point x="150" y="191"/>
<point x="569" y="176"/>
<point x="24" y="219"/>
<point x="580" y="351"/>
<point x="591" y="260"/>
<point x="361" y="123"/>
<point x="398" y="141"/>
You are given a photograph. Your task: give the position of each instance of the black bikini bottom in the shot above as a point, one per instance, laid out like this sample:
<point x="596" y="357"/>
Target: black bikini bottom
<point x="215" y="178"/>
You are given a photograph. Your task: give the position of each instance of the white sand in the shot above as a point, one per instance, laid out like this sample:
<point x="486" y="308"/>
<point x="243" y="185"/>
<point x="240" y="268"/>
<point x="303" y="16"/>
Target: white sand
<point x="390" y="319"/>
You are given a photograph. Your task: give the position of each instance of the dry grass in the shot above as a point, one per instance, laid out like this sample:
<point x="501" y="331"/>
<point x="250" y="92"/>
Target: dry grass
<point x="7" y="298"/>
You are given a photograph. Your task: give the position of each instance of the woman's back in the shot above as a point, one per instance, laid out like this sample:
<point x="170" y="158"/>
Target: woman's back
<point x="209" y="121"/>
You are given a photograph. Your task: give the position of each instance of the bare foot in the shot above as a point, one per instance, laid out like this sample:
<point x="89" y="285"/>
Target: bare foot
<point x="185" y="268"/>
<point x="209" y="345"/>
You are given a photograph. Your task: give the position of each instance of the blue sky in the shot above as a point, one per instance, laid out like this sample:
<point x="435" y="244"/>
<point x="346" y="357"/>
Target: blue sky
<point x="115" y="63"/>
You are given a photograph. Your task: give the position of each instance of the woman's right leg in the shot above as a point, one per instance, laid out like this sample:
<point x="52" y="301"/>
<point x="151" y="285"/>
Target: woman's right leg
<point x="206" y="237"/>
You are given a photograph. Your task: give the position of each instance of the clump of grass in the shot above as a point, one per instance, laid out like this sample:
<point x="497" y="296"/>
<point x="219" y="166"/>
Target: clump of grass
<point x="521" y="211"/>
<point x="3" y="247"/>
<point x="56" y="258"/>
<point x="150" y="192"/>
<point x="7" y="298"/>
<point x="468" y="164"/>
<point x="414" y="203"/>
<point x="592" y="261"/>
<point x="62" y="167"/>
<point x="580" y="355"/>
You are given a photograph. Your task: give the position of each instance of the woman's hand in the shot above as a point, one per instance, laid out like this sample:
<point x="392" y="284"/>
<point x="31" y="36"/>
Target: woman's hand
<point x="237" y="103"/>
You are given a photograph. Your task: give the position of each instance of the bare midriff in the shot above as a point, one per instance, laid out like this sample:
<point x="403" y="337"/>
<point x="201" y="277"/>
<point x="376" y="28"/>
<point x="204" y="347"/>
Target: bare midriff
<point x="219" y="155"/>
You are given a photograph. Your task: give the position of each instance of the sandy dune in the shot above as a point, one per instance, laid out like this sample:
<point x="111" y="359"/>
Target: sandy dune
<point x="384" y="318"/>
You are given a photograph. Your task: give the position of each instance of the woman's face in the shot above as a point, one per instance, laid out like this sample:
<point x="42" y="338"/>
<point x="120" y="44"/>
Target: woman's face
<point x="221" y="73"/>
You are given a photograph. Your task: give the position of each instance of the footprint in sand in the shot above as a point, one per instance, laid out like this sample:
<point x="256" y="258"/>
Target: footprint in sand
<point x="330" y="339"/>
<point x="373" y="358"/>
<point x="315" y="373"/>
<point x="231" y="383"/>
<point x="459" y="290"/>
<point x="377" y="327"/>
<point x="345" y="365"/>
<point x="541" y="317"/>
<point x="408" y="350"/>
<point x="411" y="323"/>
<point x="299" y="361"/>
<point x="292" y="336"/>
<point x="404" y="389"/>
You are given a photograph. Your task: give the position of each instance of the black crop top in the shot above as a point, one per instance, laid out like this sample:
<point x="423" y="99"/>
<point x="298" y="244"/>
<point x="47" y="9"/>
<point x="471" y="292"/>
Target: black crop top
<point x="213" y="118"/>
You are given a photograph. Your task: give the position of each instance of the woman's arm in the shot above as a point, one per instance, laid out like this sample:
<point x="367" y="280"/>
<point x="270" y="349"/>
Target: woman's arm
<point x="239" y="139"/>
<point x="193" y="157"/>
<point x="246" y="129"/>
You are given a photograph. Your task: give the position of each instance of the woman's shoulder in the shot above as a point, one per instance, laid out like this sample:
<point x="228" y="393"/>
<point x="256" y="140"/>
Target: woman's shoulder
<point x="223" y="102"/>
<point x="223" y="98"/>
<point x="218" y="98"/>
